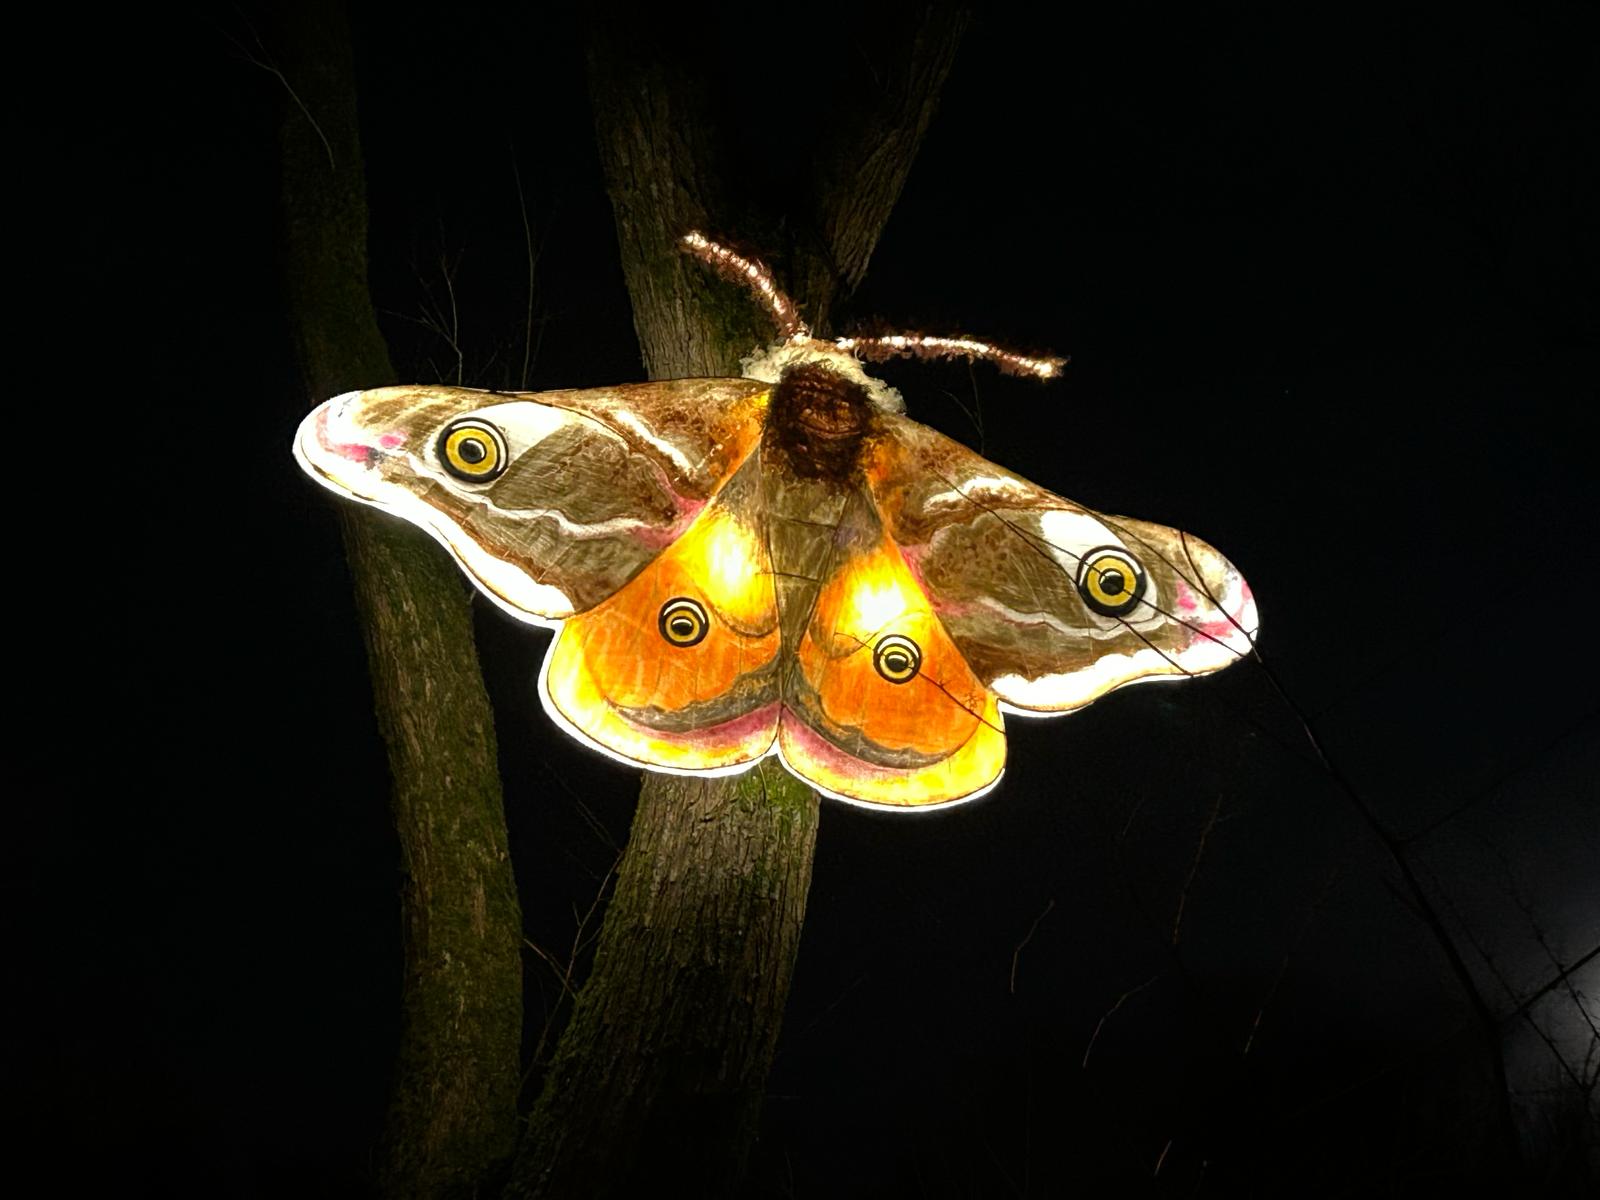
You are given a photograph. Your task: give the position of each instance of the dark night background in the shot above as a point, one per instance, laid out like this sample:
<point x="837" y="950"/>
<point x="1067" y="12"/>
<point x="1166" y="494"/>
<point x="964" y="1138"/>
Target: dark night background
<point x="1329" y="286"/>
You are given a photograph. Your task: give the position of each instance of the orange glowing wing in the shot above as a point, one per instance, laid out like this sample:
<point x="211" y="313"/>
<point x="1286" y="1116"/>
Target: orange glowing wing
<point x="678" y="670"/>
<point x="880" y="706"/>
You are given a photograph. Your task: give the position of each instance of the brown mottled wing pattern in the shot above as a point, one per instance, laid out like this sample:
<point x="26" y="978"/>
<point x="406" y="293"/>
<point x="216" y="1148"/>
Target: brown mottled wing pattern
<point x="588" y="487"/>
<point x="1005" y="564"/>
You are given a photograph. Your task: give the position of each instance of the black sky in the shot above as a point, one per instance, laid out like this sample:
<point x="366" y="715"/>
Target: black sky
<point x="1328" y="283"/>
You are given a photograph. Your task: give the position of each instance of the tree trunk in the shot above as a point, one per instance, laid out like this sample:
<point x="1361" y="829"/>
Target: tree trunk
<point x="452" y="1111"/>
<point x="656" y="1084"/>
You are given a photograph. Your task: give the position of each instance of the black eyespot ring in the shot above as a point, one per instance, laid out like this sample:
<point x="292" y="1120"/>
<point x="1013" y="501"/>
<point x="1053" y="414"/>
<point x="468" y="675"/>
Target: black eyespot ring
<point x="898" y="659"/>
<point x="683" y="622"/>
<point x="473" y="450"/>
<point x="1110" y="581"/>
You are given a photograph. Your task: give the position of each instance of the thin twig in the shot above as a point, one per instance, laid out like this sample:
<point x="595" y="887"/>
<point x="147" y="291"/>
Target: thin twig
<point x="566" y="973"/>
<point x="1489" y="789"/>
<point x="1194" y="868"/>
<point x="527" y="241"/>
<point x="561" y="970"/>
<point x="1017" y="953"/>
<point x="975" y="413"/>
<point x="455" y="316"/>
<point x="266" y="64"/>
<point x="1283" y="967"/>
<point x="1488" y="1025"/>
<point x="1108" y="1014"/>
<point x="816" y="1020"/>
<point x="1161" y="1158"/>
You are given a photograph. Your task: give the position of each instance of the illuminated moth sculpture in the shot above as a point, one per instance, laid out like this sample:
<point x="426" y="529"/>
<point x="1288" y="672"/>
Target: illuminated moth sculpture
<point x="784" y="564"/>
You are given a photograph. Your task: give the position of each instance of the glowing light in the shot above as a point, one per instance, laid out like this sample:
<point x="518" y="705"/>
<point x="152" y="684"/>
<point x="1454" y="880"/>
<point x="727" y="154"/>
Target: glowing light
<point x="731" y="557"/>
<point x="725" y="559"/>
<point x="880" y="593"/>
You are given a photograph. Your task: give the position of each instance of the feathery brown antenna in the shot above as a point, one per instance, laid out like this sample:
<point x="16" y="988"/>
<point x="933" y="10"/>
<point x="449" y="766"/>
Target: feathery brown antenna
<point x="923" y="345"/>
<point x="753" y="274"/>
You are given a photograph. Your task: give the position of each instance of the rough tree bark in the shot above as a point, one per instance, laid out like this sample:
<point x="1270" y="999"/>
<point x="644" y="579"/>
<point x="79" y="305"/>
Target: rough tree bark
<point x="452" y="1112"/>
<point x="657" y="1081"/>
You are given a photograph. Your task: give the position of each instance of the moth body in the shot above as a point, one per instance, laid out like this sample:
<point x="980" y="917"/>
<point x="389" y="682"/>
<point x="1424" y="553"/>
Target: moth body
<point x="818" y="423"/>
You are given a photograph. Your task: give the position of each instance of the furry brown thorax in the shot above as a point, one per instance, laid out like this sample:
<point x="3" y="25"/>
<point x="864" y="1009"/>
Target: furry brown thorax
<point x="820" y="420"/>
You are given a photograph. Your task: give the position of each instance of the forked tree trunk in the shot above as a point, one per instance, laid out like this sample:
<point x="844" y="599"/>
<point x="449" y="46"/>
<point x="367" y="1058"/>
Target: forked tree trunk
<point x="452" y="1112"/>
<point x="656" y="1085"/>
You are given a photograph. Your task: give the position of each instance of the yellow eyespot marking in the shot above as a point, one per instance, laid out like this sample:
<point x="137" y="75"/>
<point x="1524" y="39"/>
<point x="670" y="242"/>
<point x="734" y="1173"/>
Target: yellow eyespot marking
<point x="472" y="450"/>
<point x="898" y="659"/>
<point x="683" y="621"/>
<point x="1110" y="581"/>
